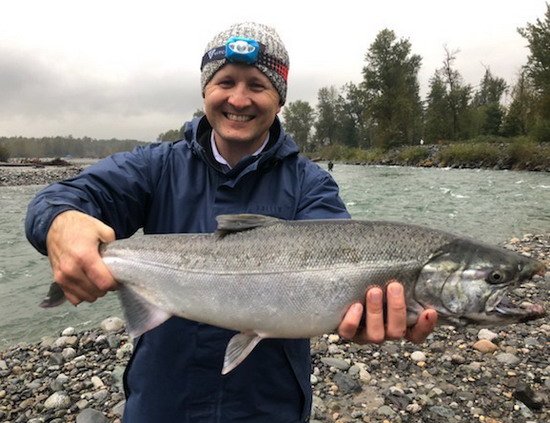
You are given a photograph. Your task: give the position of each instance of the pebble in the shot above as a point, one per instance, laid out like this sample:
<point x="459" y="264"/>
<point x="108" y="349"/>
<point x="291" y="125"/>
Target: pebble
<point x="485" y="346"/>
<point x="487" y="334"/>
<point x="112" y="324"/>
<point x="507" y="358"/>
<point x="337" y="363"/>
<point x="58" y="400"/>
<point x="418" y="356"/>
<point x="89" y="415"/>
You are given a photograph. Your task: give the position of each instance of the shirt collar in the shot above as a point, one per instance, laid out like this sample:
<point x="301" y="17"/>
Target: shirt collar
<point x="219" y="158"/>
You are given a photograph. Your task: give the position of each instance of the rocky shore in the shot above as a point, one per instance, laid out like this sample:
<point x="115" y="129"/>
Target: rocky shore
<point x="36" y="175"/>
<point x="499" y="375"/>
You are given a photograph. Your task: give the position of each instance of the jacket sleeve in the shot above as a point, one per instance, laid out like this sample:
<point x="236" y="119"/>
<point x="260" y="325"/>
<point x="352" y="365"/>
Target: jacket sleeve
<point x="320" y="197"/>
<point x="116" y="190"/>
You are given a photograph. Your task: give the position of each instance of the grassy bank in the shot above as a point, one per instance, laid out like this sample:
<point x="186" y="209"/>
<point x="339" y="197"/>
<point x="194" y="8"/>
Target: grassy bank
<point x="518" y="154"/>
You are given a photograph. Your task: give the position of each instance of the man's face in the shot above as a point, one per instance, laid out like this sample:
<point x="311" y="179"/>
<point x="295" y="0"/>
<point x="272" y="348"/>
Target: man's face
<point x="240" y="103"/>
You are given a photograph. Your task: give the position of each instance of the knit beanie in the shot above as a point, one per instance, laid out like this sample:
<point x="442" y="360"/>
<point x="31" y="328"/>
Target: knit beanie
<point x="272" y="60"/>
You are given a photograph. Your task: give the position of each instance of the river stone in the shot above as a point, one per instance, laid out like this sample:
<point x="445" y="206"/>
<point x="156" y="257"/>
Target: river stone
<point x="487" y="334"/>
<point x="485" y="346"/>
<point x="68" y="331"/>
<point x="335" y="362"/>
<point x="333" y="338"/>
<point x="68" y="353"/>
<point x="118" y="410"/>
<point x="346" y="384"/>
<point x="386" y="410"/>
<point x="58" y="400"/>
<point x="89" y="415"/>
<point x="97" y="382"/>
<point x="125" y="350"/>
<point x="112" y="324"/>
<point x="418" y="356"/>
<point x="442" y="411"/>
<point x="507" y="358"/>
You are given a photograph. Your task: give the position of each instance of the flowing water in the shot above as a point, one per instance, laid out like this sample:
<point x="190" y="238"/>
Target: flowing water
<point x="493" y="206"/>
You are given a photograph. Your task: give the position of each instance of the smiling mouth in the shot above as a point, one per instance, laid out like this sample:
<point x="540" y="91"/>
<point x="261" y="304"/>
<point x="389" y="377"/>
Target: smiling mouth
<point x="238" y="118"/>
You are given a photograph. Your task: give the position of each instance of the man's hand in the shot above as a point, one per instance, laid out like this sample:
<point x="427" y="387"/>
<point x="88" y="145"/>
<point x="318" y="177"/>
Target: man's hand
<point x="376" y="328"/>
<point x="73" y="249"/>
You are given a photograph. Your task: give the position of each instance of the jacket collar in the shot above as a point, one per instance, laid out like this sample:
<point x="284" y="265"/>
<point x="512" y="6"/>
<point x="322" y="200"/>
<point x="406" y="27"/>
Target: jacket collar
<point x="279" y="147"/>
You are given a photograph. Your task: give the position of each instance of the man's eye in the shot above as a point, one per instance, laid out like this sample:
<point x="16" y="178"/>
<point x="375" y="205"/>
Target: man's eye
<point x="257" y="87"/>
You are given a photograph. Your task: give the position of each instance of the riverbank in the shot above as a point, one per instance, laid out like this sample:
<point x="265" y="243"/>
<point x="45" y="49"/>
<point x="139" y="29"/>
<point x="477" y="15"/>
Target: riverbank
<point x="495" y="376"/>
<point x="518" y="155"/>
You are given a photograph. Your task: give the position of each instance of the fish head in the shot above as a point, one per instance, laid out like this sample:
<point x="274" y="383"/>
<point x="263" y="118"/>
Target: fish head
<point x="467" y="283"/>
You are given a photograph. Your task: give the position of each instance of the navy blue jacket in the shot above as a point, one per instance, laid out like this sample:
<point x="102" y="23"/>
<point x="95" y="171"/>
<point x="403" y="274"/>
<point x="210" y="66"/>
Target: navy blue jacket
<point x="174" y="374"/>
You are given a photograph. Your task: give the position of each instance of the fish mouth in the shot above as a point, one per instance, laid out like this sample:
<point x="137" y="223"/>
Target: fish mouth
<point x="504" y="308"/>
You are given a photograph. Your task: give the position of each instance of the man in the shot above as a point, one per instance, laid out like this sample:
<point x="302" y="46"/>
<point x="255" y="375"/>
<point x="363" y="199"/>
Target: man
<point x="236" y="159"/>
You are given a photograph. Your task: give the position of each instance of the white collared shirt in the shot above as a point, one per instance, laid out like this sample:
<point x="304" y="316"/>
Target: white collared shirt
<point x="219" y="158"/>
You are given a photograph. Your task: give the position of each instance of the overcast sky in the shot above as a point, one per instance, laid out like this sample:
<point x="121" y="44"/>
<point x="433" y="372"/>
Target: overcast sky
<point x="130" y="69"/>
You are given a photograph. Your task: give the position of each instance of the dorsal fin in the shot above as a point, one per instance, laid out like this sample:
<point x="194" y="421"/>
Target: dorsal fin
<point x="230" y="223"/>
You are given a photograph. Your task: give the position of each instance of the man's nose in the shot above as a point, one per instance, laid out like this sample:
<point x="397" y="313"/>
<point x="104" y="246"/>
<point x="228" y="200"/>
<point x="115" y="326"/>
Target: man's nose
<point x="240" y="97"/>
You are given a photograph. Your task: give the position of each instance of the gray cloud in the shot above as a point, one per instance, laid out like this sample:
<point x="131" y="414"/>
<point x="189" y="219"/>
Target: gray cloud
<point x="36" y="91"/>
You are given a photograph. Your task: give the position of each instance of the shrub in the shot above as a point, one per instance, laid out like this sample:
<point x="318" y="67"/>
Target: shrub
<point x="413" y="155"/>
<point x="4" y="154"/>
<point x="470" y="155"/>
<point x="526" y="154"/>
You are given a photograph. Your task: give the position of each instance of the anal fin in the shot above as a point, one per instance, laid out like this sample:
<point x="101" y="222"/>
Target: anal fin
<point x="238" y="349"/>
<point x="141" y="316"/>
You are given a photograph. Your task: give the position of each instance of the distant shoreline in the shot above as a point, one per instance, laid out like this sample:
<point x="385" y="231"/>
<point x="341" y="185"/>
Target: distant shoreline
<point x="15" y="173"/>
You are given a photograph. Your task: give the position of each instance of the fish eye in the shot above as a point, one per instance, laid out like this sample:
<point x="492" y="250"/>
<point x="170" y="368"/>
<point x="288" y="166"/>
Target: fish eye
<point x="495" y="276"/>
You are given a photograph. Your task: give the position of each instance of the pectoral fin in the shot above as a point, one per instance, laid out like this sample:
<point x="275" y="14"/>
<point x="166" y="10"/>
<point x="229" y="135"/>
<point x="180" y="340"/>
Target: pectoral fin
<point x="238" y="349"/>
<point x="141" y="316"/>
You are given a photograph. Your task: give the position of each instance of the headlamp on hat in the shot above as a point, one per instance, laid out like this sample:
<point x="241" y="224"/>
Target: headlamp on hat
<point x="247" y="51"/>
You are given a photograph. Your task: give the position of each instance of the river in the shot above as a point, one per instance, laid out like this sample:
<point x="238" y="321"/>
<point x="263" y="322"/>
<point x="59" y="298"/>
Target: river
<point x="493" y="206"/>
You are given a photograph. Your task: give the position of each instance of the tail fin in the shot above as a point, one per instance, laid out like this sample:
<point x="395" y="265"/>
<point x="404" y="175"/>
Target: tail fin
<point x="55" y="297"/>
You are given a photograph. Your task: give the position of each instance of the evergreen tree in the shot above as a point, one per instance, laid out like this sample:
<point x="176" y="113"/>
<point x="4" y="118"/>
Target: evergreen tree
<point x="438" y="116"/>
<point x="520" y="116"/>
<point x="390" y="83"/>
<point x="486" y="104"/>
<point x="538" y="70"/>
<point x="299" y="118"/>
<point x="326" y="126"/>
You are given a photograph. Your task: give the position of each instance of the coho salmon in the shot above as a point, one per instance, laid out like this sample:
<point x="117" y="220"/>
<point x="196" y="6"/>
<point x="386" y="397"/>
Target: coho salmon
<point x="270" y="278"/>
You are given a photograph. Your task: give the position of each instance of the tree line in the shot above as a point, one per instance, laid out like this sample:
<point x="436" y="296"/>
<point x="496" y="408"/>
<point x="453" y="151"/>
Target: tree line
<point x="60" y="146"/>
<point x="384" y="110"/>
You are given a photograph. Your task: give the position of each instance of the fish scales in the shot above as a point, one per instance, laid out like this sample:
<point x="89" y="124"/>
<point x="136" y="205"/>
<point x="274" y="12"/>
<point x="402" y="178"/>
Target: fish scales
<point x="291" y="246"/>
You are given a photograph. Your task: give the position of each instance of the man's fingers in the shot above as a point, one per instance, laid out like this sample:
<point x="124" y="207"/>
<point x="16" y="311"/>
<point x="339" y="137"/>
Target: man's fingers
<point x="423" y="327"/>
<point x="351" y="321"/>
<point x="375" y="327"/>
<point x="105" y="233"/>
<point x="396" y="311"/>
<point x="97" y="271"/>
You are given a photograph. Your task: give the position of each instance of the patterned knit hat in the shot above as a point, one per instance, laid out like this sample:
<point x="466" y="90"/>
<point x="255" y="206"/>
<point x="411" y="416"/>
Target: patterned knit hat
<point x="272" y="59"/>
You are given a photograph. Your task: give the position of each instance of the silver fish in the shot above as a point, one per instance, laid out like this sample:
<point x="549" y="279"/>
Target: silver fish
<point x="269" y="278"/>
